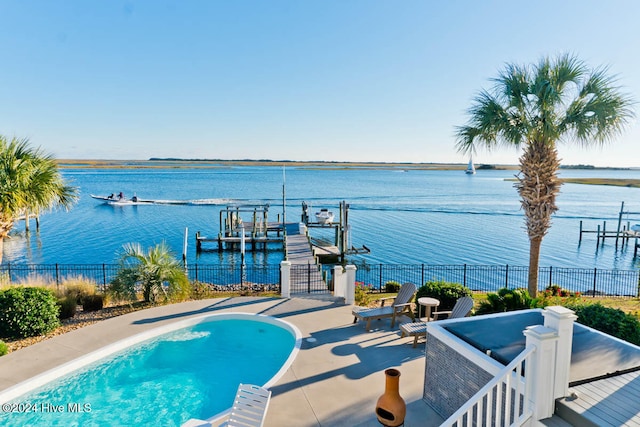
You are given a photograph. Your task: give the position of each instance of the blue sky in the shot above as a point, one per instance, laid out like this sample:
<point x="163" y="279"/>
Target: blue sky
<point x="348" y="80"/>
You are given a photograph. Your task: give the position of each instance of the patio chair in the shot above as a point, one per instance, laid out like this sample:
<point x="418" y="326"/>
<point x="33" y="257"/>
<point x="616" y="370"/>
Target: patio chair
<point x="462" y="308"/>
<point x="401" y="305"/>
<point x="249" y="407"/>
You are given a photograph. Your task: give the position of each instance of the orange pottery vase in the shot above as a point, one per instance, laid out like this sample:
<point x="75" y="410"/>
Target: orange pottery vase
<point x="391" y="408"/>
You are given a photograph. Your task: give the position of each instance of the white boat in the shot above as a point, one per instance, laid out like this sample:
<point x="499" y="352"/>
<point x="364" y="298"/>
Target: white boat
<point x="471" y="169"/>
<point x="119" y="200"/>
<point x="324" y="216"/>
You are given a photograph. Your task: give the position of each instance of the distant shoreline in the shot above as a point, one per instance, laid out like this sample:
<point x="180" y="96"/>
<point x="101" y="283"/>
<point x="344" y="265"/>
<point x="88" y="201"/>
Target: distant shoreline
<point x="325" y="165"/>
<point x="217" y="163"/>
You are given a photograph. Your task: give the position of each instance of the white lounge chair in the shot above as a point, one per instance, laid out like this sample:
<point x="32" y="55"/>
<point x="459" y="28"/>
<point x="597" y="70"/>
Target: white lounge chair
<point x="462" y="308"/>
<point x="401" y="305"/>
<point x="249" y="407"/>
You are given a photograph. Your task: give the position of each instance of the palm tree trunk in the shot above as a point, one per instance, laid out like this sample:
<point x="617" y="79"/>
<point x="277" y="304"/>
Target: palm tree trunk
<point x="534" y="262"/>
<point x="538" y="186"/>
<point x="6" y="223"/>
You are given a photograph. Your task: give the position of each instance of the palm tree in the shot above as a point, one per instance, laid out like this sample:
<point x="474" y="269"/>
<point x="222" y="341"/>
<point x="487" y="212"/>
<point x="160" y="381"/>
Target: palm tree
<point x="29" y="183"/>
<point x="535" y="108"/>
<point x="157" y="272"/>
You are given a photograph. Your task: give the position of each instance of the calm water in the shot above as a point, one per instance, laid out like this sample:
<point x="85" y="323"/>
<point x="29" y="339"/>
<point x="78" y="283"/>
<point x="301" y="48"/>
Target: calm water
<point x="137" y="387"/>
<point x="431" y="217"/>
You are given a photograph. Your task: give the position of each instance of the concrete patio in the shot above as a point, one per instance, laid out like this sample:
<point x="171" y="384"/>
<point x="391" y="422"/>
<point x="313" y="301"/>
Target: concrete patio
<point x="335" y="380"/>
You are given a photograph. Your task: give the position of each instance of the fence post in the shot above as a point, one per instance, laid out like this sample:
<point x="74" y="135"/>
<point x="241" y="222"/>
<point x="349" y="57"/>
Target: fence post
<point x="339" y="284"/>
<point x="422" y="276"/>
<point x="561" y="319"/>
<point x="506" y="276"/>
<point x="285" y="279"/>
<point x="308" y="277"/>
<point x="57" y="276"/>
<point x="550" y="275"/>
<point x="9" y="271"/>
<point x="350" y="284"/>
<point x="595" y="271"/>
<point x="104" y="278"/>
<point x="540" y="375"/>
<point x="196" y="272"/>
<point x="380" y="279"/>
<point x="464" y="276"/>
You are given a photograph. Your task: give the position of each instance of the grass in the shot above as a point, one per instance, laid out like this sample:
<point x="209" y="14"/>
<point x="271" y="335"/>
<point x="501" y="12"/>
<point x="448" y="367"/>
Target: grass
<point x="634" y="183"/>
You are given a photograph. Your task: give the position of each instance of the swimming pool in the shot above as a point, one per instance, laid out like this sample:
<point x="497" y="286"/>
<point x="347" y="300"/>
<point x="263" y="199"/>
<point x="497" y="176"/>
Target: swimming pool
<point x="189" y="369"/>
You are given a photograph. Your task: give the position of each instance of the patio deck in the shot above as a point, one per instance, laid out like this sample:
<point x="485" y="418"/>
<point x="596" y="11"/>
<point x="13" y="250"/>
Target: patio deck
<point x="335" y="380"/>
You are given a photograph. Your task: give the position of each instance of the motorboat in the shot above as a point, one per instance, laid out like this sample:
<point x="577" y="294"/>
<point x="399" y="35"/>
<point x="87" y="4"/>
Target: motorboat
<point x="324" y="216"/>
<point x="471" y="169"/>
<point x="120" y="200"/>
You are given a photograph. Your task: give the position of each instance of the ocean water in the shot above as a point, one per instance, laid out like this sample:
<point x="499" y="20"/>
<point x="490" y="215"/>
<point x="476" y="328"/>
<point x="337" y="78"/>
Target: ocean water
<point x="404" y="217"/>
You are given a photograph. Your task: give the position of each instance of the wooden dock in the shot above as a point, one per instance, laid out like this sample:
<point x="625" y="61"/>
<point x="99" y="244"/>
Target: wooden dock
<point x="238" y="231"/>
<point x="306" y="273"/>
<point x="623" y="232"/>
<point x="258" y="232"/>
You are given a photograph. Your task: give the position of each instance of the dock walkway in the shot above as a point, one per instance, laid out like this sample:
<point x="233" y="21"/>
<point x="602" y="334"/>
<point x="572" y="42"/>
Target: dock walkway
<point x="306" y="274"/>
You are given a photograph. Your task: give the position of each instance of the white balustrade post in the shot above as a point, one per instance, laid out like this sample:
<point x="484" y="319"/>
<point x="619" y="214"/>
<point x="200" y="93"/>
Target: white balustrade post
<point x="540" y="373"/>
<point x="285" y="277"/>
<point x="350" y="284"/>
<point x="339" y="284"/>
<point x="561" y="319"/>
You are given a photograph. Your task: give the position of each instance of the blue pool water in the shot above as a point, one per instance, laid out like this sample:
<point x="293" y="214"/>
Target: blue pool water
<point x="189" y="373"/>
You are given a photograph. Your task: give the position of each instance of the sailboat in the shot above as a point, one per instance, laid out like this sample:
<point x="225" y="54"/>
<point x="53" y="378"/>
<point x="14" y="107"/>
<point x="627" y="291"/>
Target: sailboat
<point x="471" y="170"/>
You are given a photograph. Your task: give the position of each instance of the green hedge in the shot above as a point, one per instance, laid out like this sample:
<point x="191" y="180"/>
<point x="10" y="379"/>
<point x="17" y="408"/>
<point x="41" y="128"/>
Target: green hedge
<point x="506" y="300"/>
<point x="609" y="320"/>
<point x="27" y="312"/>
<point x="4" y="348"/>
<point x="392" y="287"/>
<point x="446" y="292"/>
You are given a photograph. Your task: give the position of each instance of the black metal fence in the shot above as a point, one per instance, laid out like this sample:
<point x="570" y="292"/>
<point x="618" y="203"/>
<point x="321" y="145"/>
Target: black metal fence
<point x="490" y="278"/>
<point x="217" y="277"/>
<point x="479" y="278"/>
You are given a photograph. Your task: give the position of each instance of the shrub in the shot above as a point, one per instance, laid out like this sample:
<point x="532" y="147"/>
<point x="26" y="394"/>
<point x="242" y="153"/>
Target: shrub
<point x="92" y="302"/>
<point x="611" y="321"/>
<point x="27" y="312"/>
<point x="555" y="295"/>
<point x="4" y="348"/>
<point x="392" y="287"/>
<point x="445" y="292"/>
<point x="200" y="290"/>
<point x="155" y="271"/>
<point x="362" y="295"/>
<point x="78" y="288"/>
<point x="506" y="300"/>
<point x="67" y="307"/>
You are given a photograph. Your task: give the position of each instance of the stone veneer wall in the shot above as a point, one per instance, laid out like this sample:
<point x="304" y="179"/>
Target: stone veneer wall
<point x="450" y="378"/>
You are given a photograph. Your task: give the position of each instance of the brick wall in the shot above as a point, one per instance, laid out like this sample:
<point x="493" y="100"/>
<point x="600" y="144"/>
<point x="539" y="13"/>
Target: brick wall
<point x="450" y="378"/>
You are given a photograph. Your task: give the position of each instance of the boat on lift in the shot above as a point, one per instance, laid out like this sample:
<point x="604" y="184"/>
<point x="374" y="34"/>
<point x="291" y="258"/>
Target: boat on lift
<point x="325" y="216"/>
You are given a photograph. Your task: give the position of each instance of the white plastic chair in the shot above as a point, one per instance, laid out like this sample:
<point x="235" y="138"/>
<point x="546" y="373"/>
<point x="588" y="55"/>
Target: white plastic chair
<point x="249" y="407"/>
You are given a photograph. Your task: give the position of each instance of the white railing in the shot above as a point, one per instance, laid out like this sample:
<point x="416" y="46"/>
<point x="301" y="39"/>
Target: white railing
<point x="504" y="401"/>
